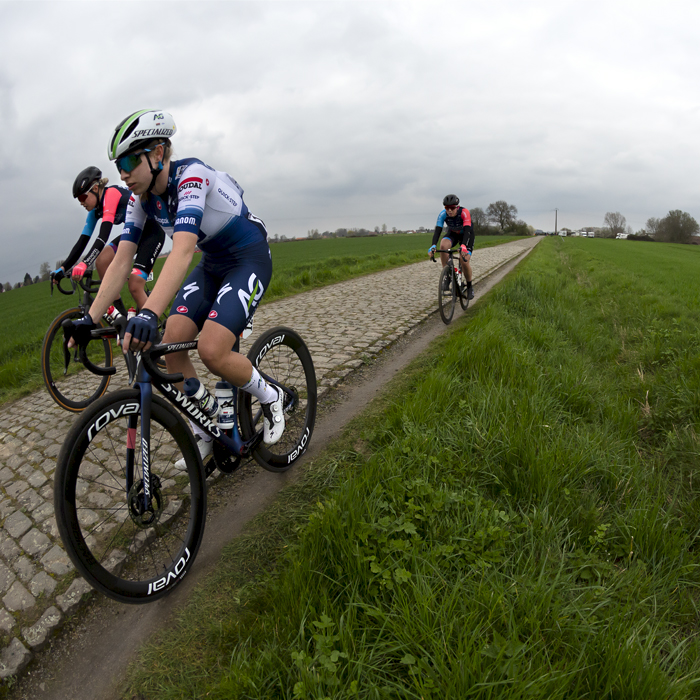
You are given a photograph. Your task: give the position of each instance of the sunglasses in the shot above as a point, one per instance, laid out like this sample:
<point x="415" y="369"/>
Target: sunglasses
<point x="456" y="206"/>
<point x="83" y="197"/>
<point x="129" y="162"/>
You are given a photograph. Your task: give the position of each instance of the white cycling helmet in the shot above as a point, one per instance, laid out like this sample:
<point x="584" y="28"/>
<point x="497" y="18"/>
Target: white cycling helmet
<point x="138" y="130"/>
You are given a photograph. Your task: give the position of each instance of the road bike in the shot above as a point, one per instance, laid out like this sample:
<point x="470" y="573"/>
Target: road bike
<point x="66" y="380"/>
<point x="131" y="519"/>
<point x="68" y="385"/>
<point x="454" y="287"/>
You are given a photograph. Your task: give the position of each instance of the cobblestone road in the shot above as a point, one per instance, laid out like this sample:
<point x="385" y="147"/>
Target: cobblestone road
<point x="342" y="324"/>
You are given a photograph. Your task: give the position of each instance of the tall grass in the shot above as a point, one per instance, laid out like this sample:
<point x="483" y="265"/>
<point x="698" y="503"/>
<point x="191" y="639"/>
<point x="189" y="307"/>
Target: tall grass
<point x="516" y="520"/>
<point x="26" y="313"/>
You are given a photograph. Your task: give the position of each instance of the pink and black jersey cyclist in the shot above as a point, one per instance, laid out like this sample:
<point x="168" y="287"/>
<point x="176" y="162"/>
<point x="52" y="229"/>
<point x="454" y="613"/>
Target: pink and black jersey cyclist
<point x="109" y="203"/>
<point x="456" y="221"/>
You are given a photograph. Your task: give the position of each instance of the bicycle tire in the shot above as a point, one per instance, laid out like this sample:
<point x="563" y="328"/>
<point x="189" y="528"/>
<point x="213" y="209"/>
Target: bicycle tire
<point x="118" y="554"/>
<point x="463" y="298"/>
<point x="80" y="387"/>
<point x="446" y="299"/>
<point x="281" y="354"/>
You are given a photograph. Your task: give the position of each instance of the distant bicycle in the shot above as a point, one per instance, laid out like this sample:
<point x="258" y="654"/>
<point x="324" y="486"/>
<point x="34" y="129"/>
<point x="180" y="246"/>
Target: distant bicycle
<point x="129" y="488"/>
<point x="66" y="381"/>
<point x="451" y="286"/>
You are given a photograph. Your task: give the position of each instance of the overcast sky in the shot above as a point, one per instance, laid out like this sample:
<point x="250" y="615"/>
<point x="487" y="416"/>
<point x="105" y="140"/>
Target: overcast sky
<point x="348" y="114"/>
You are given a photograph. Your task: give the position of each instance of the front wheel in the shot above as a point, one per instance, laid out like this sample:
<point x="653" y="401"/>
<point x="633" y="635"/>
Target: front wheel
<point x="447" y="296"/>
<point x="130" y="547"/>
<point x="77" y="388"/>
<point x="282" y="357"/>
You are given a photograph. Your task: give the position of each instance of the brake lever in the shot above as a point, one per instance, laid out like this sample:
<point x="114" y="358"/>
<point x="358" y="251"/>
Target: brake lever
<point x="132" y="362"/>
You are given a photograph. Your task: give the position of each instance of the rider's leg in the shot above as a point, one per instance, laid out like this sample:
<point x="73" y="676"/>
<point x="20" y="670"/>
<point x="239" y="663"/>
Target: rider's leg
<point x="445" y="244"/>
<point x="137" y="287"/>
<point x="467" y="270"/>
<point x="215" y="343"/>
<point x="181" y="329"/>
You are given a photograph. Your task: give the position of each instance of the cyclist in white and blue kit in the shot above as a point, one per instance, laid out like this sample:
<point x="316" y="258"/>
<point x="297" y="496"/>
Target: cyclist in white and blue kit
<point x="198" y="207"/>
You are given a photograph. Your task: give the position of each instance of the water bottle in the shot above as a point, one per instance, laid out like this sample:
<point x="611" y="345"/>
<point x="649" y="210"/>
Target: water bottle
<point x="196" y="391"/>
<point x="112" y="315"/>
<point x="131" y="313"/>
<point x="224" y="396"/>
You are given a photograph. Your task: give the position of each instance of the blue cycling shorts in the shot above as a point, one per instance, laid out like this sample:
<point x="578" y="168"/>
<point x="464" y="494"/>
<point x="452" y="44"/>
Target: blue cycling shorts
<point x="226" y="288"/>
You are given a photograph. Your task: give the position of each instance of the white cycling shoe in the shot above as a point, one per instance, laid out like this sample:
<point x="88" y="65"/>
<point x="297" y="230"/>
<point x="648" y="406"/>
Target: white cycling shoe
<point x="273" y="419"/>
<point x="205" y="449"/>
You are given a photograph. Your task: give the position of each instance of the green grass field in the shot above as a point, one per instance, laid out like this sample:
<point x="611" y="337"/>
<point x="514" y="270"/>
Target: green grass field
<point x="26" y="313"/>
<point x="515" y="518"/>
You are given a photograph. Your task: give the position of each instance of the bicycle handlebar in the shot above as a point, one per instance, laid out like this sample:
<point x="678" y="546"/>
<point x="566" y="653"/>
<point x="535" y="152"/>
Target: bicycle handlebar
<point x="152" y="354"/>
<point x="86" y="283"/>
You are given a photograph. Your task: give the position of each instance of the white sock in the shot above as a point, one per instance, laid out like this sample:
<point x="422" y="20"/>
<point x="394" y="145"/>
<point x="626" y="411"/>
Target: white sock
<point x="260" y="389"/>
<point x="198" y="431"/>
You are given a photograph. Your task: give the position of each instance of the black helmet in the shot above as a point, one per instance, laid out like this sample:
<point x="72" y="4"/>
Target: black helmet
<point x="451" y="200"/>
<point x="85" y="180"/>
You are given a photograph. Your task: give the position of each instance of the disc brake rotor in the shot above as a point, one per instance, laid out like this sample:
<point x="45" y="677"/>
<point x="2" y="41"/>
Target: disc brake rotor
<point x="145" y="517"/>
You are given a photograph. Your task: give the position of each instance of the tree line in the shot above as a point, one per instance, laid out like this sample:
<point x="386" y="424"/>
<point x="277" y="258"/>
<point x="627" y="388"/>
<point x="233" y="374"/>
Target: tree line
<point x="44" y="272"/>
<point x="676" y="227"/>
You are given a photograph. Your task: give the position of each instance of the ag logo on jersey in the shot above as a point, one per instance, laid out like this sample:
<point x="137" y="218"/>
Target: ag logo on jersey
<point x="255" y="292"/>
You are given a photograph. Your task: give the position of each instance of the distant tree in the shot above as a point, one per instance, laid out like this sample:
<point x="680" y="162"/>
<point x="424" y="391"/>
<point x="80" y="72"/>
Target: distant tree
<point x="677" y="227"/>
<point x="614" y="223"/>
<point x="27" y="280"/>
<point x="2" y="289"/>
<point x="479" y="220"/>
<point x="8" y="286"/>
<point x="341" y="232"/>
<point x="520" y="228"/>
<point x="652" y="226"/>
<point x="502" y="214"/>
<point x="36" y="280"/>
<point x="17" y="285"/>
<point x="383" y="228"/>
<point x="58" y="264"/>
<point x="376" y="229"/>
<point x="44" y="270"/>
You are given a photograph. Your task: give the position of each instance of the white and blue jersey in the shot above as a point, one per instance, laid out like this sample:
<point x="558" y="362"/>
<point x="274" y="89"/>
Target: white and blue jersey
<point x="235" y="270"/>
<point x="200" y="200"/>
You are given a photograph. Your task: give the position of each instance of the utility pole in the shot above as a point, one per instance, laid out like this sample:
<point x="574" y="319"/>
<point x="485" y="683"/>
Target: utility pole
<point x="556" y="211"/>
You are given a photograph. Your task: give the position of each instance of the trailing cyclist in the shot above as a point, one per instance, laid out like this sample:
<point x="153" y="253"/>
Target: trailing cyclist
<point x="109" y="204"/>
<point x="198" y="207"/>
<point x="458" y="223"/>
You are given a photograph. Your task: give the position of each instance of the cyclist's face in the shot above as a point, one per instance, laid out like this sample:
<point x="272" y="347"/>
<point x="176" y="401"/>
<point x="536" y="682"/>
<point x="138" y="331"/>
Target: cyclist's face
<point x="451" y="209"/>
<point x="90" y="201"/>
<point x="138" y="179"/>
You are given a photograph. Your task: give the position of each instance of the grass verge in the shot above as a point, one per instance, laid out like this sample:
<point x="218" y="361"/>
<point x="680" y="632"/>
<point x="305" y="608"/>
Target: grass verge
<point x="516" y="517"/>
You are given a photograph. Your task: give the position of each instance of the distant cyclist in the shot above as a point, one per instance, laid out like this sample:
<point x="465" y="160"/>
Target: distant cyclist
<point x="108" y="204"/>
<point x="458" y="223"/>
<point x="198" y="207"/>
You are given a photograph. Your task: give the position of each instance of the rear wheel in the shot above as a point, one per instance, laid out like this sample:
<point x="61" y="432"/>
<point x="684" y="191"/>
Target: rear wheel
<point x="75" y="388"/>
<point x="281" y="355"/>
<point x="463" y="299"/>
<point x="446" y="297"/>
<point x="130" y="552"/>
